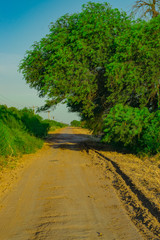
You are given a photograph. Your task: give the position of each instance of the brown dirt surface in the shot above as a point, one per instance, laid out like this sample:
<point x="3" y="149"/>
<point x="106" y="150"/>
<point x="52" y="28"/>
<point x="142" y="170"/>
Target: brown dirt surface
<point x="63" y="193"/>
<point x="137" y="183"/>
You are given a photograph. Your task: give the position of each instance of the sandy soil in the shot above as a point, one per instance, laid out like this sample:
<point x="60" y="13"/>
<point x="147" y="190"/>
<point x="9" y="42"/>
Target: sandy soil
<point x="62" y="195"/>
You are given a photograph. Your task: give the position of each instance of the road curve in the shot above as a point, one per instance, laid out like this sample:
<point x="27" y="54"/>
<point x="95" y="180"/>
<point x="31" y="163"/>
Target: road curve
<point x="63" y="196"/>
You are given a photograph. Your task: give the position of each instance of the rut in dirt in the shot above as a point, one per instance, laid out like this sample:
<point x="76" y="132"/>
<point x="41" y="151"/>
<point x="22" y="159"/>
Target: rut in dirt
<point x="62" y="195"/>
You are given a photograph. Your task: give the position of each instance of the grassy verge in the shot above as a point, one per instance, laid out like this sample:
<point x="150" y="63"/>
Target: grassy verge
<point x="14" y="142"/>
<point x="21" y="132"/>
<point x="53" y="125"/>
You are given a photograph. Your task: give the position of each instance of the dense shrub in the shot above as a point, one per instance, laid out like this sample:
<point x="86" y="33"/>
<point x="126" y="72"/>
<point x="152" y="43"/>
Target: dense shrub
<point x="54" y="124"/>
<point x="25" y="119"/>
<point x="15" y="141"/>
<point x="34" y="123"/>
<point x="75" y="123"/>
<point x="135" y="128"/>
<point x="19" y="130"/>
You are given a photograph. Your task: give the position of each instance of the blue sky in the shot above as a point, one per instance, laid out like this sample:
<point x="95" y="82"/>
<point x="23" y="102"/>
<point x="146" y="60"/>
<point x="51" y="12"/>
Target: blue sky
<point x="21" y="24"/>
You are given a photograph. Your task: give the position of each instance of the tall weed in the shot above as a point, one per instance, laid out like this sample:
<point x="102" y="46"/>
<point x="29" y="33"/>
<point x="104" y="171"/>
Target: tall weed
<point x="14" y="142"/>
<point x="15" y="137"/>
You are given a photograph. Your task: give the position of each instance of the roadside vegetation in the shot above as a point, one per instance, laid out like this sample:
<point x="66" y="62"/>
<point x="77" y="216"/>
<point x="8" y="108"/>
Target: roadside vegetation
<point x="76" y="123"/>
<point x="53" y="125"/>
<point x="21" y="132"/>
<point x="136" y="129"/>
<point x="105" y="65"/>
<point x="81" y="124"/>
<point x="136" y="181"/>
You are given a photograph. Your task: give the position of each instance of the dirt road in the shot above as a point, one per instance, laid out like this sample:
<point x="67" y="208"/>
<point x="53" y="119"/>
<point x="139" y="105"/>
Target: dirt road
<point x="63" y="196"/>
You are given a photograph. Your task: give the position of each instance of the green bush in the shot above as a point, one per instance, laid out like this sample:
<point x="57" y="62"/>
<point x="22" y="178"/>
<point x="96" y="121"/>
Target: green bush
<point x="16" y="141"/>
<point x="21" y="130"/>
<point x="54" y="124"/>
<point x="75" y="123"/>
<point x="134" y="128"/>
<point x="24" y="119"/>
<point x="16" y="137"/>
<point x="34" y="124"/>
<point x="150" y="136"/>
<point x="5" y="140"/>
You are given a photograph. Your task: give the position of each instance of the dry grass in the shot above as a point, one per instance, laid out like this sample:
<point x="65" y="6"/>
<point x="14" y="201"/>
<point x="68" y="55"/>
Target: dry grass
<point x="145" y="174"/>
<point x="137" y="186"/>
<point x="136" y="180"/>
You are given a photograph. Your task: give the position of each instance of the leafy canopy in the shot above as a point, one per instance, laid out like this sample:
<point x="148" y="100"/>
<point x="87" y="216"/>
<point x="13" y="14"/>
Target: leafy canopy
<point x="95" y="59"/>
<point x="134" y="128"/>
<point x="134" y="73"/>
<point x="69" y="64"/>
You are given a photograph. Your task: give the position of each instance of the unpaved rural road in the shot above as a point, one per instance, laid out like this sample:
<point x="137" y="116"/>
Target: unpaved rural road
<point x="64" y="196"/>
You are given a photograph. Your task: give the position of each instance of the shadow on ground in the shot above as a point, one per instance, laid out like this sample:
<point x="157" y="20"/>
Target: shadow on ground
<point x="68" y="141"/>
<point x="80" y="142"/>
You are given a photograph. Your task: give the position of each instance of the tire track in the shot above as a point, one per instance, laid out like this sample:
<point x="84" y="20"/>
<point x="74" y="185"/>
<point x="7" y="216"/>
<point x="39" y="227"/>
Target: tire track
<point x="129" y="191"/>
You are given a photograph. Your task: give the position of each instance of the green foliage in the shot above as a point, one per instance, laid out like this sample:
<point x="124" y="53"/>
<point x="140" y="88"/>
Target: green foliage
<point x="21" y="130"/>
<point x="75" y="123"/>
<point x="133" y="74"/>
<point x="69" y="63"/>
<point x="96" y="59"/>
<point x="53" y="125"/>
<point x="24" y="119"/>
<point x="34" y="123"/>
<point x="150" y="137"/>
<point x="16" y="135"/>
<point x="134" y="128"/>
<point x="16" y="141"/>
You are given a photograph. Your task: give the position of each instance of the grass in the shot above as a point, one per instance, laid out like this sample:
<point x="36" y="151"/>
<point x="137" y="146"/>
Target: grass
<point x="21" y="132"/>
<point x="16" y="141"/>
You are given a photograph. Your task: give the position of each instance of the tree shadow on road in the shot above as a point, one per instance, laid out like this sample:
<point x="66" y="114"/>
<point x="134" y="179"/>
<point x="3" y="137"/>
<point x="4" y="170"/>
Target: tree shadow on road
<point x="80" y="142"/>
<point x="68" y="141"/>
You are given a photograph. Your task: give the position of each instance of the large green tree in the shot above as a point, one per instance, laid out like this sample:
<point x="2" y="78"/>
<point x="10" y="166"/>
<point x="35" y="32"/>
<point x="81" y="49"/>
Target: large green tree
<point x="95" y="59"/>
<point x="69" y="64"/>
<point x="134" y="73"/>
